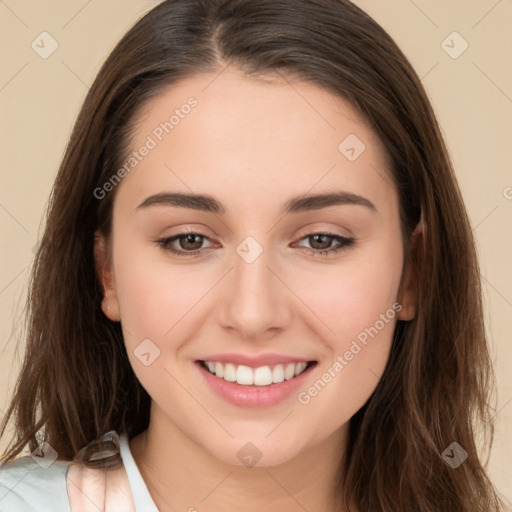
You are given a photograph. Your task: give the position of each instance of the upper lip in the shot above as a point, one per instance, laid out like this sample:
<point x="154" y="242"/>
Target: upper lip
<point x="254" y="361"/>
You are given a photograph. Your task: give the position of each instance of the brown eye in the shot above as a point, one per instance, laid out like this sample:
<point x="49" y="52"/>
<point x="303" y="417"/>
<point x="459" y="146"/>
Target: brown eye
<point x="322" y="243"/>
<point x="190" y="241"/>
<point x="183" y="244"/>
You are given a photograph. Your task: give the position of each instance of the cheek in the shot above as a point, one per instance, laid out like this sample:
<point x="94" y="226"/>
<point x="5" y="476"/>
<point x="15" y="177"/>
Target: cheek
<point x="345" y="385"/>
<point x="156" y="302"/>
<point x="356" y="303"/>
<point x="349" y="295"/>
<point x="152" y="284"/>
<point x="153" y="294"/>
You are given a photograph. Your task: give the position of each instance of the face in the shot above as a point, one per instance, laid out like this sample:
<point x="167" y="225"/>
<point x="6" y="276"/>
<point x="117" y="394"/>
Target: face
<point x="258" y="281"/>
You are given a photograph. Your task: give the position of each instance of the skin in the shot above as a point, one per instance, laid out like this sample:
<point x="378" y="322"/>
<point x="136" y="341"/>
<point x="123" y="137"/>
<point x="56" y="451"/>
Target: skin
<point x="253" y="143"/>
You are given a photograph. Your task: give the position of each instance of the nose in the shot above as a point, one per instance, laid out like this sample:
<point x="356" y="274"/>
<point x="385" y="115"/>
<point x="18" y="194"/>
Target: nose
<point x="255" y="302"/>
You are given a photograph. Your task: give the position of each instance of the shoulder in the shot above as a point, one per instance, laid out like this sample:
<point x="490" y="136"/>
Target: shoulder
<point x="105" y="489"/>
<point x="27" y="486"/>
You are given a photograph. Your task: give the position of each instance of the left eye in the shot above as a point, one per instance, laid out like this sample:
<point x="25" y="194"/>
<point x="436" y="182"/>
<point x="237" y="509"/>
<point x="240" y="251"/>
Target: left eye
<point x="190" y="243"/>
<point x="325" y="240"/>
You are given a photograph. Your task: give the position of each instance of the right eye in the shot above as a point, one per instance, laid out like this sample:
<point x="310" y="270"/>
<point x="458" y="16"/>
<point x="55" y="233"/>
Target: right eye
<point x="190" y="243"/>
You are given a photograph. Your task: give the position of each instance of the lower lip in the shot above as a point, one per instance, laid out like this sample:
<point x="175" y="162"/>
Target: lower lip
<point x="254" y="396"/>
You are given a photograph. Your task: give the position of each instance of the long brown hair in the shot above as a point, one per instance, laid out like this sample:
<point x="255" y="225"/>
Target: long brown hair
<point x="76" y="382"/>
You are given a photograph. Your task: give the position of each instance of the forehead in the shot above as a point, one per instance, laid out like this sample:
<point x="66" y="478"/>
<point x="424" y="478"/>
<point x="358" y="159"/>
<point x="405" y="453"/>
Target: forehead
<point x="246" y="138"/>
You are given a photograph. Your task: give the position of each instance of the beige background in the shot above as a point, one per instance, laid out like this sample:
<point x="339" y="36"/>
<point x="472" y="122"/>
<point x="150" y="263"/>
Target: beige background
<point x="471" y="94"/>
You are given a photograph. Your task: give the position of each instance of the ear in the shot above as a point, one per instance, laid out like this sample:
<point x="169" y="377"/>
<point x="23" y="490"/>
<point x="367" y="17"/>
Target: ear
<point x="408" y="290"/>
<point x="104" y="272"/>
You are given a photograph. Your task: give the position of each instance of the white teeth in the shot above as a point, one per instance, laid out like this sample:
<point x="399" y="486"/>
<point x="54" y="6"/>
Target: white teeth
<point x="229" y="372"/>
<point x="244" y="375"/>
<point x="219" y="370"/>
<point x="278" y="373"/>
<point x="300" y="368"/>
<point x="261" y="376"/>
<point x="289" y="371"/>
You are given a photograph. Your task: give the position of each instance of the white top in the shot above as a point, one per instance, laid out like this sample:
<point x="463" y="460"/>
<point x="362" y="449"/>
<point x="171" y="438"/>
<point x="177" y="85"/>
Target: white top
<point x="31" y="485"/>
<point x="140" y="493"/>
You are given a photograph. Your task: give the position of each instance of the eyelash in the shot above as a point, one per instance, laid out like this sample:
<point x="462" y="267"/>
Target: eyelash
<point x="345" y="242"/>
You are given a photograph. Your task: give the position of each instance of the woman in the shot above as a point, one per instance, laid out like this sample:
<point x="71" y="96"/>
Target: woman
<point x="264" y="287"/>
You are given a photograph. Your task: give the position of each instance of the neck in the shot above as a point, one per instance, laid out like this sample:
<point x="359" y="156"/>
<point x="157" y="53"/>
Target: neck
<point x="182" y="475"/>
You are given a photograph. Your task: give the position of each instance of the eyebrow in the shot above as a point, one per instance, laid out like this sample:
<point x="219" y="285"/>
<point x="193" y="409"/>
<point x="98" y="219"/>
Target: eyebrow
<point x="207" y="203"/>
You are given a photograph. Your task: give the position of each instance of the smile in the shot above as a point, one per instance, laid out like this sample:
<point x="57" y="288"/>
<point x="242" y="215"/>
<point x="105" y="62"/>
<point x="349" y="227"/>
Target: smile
<point x="260" y="376"/>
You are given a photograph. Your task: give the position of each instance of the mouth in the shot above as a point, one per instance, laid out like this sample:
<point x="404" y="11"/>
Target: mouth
<point x="262" y="376"/>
